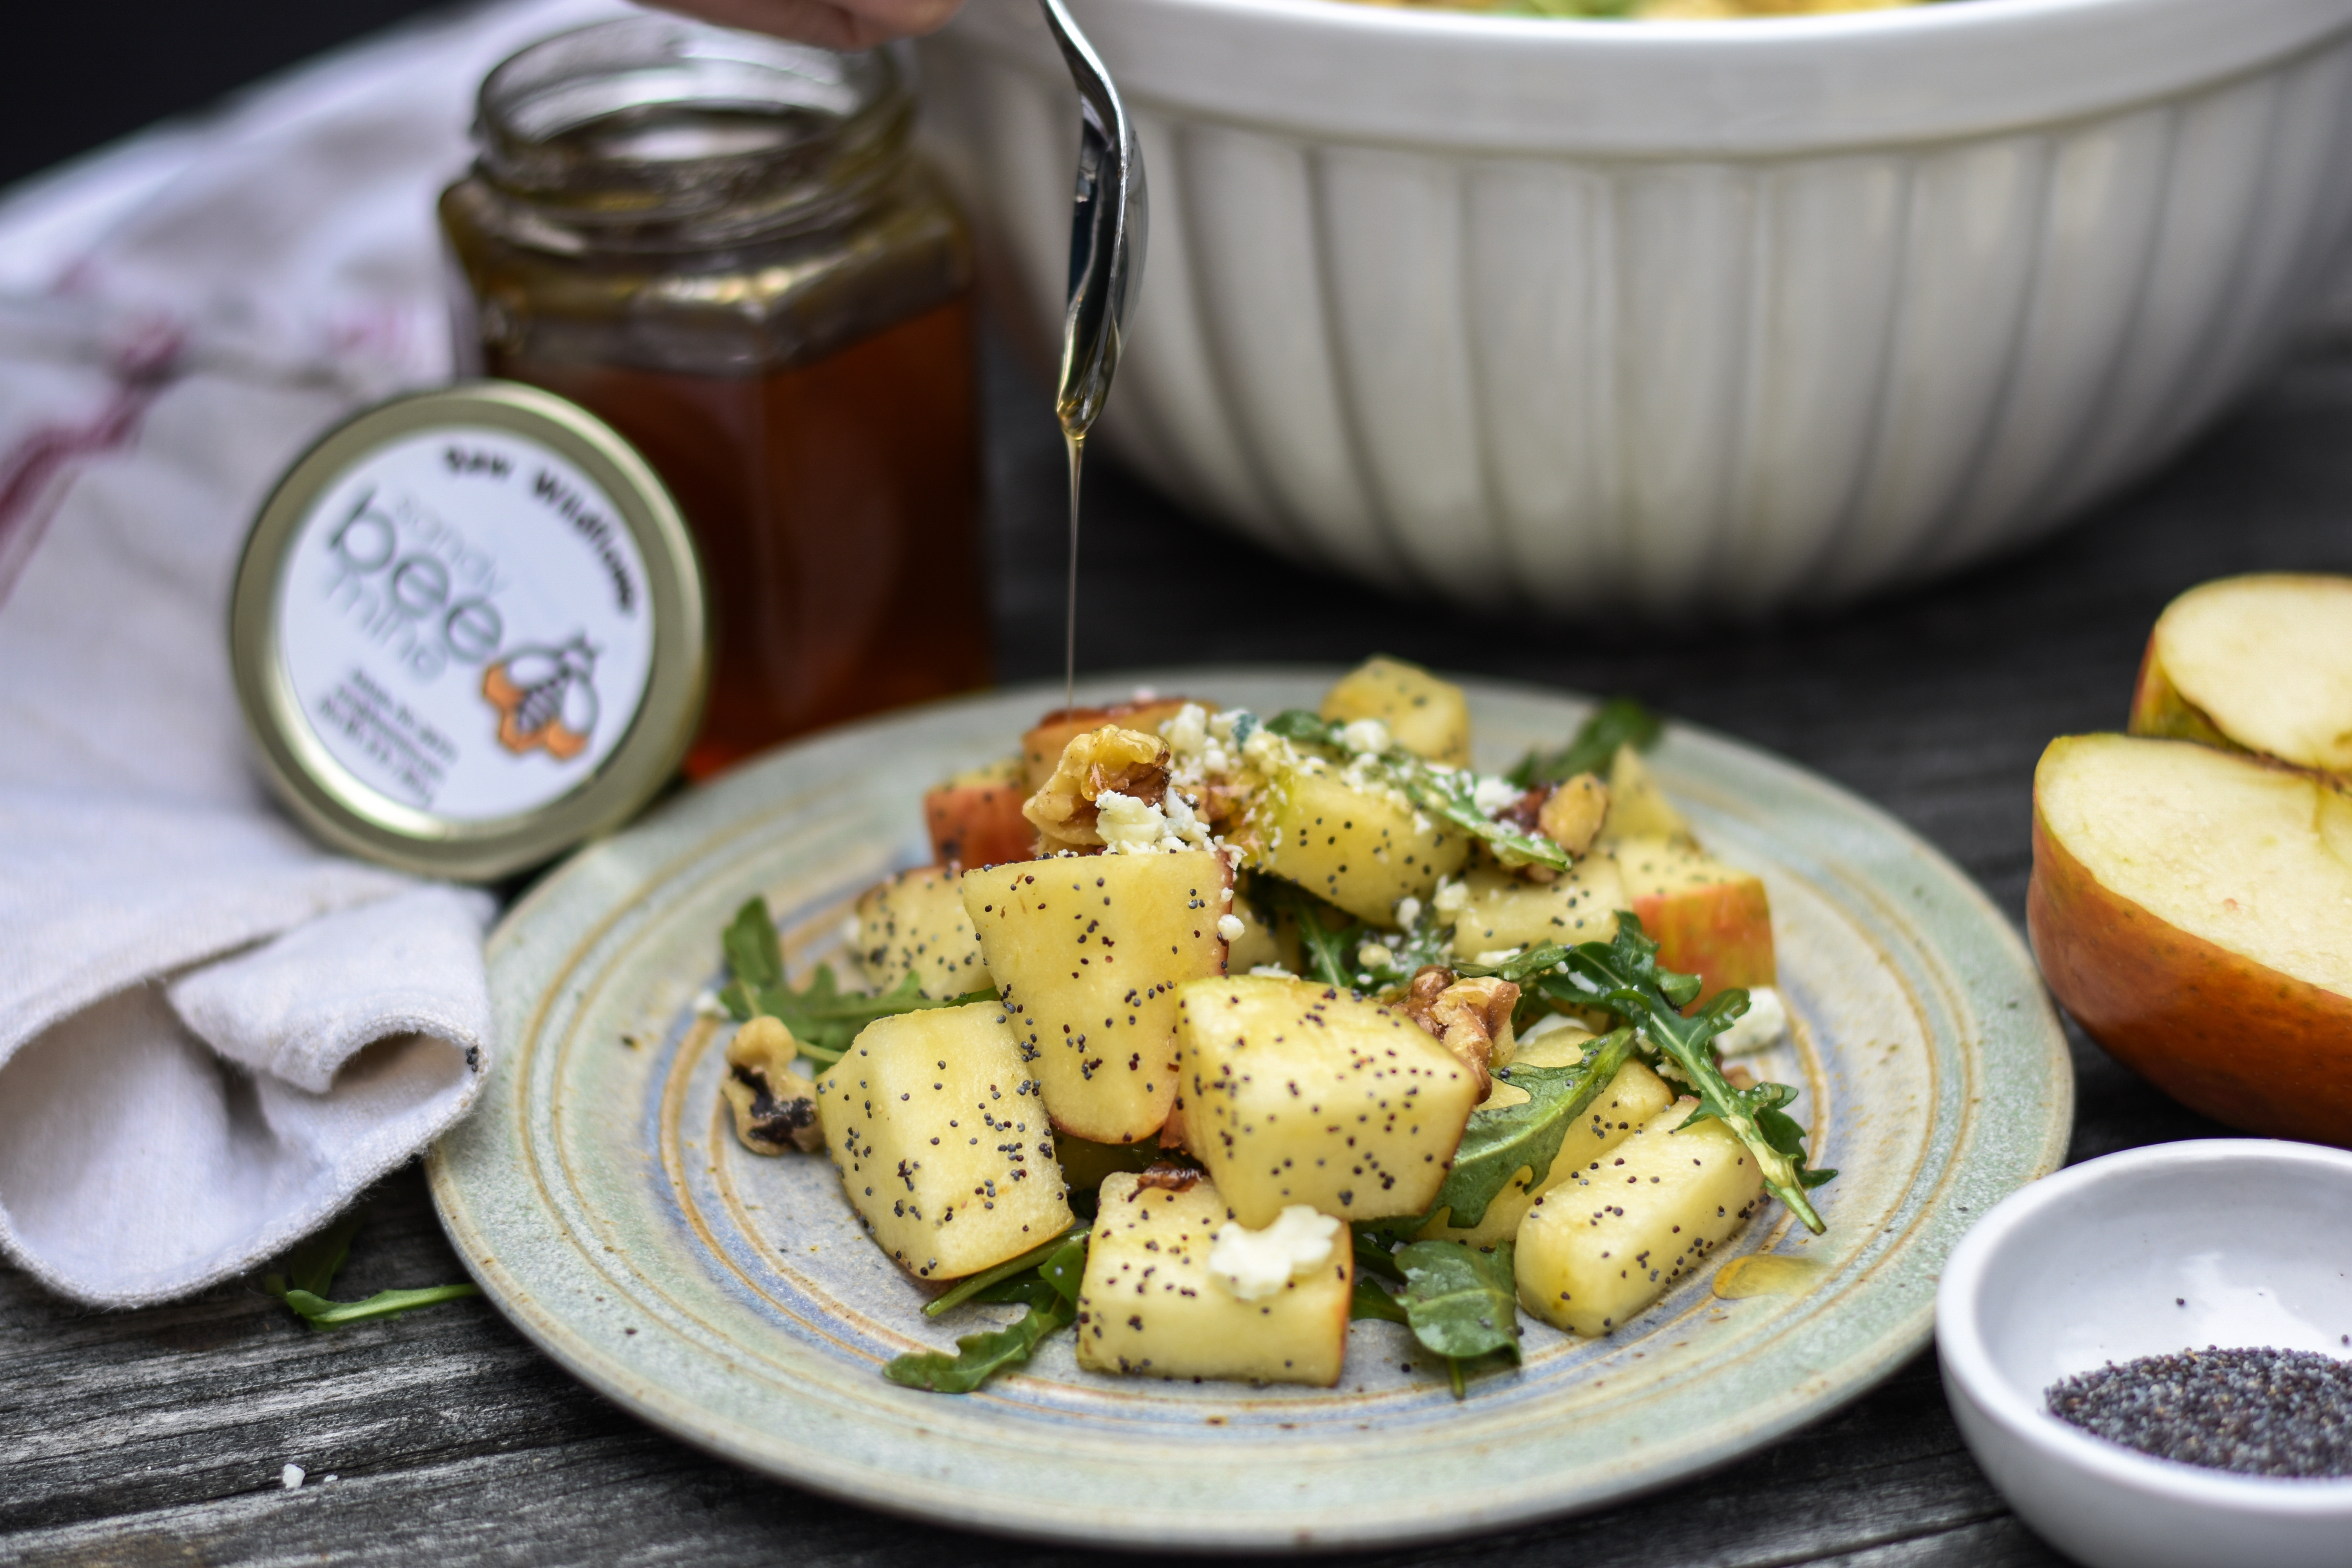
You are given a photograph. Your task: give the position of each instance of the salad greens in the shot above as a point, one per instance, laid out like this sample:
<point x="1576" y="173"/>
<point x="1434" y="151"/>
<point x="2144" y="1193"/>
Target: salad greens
<point x="1500" y="1142"/>
<point x="1620" y="722"/>
<point x="1450" y="794"/>
<point x="1047" y="1286"/>
<point x="310" y="1271"/>
<point x="1463" y="1303"/>
<point x="822" y="1017"/>
<point x="1622" y="977"/>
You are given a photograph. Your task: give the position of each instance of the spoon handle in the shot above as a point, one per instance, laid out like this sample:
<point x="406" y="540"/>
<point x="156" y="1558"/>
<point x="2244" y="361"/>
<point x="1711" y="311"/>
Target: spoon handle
<point x="1107" y="229"/>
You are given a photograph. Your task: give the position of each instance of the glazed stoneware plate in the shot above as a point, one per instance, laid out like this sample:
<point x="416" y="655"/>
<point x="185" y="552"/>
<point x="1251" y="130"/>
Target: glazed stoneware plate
<point x="600" y="1198"/>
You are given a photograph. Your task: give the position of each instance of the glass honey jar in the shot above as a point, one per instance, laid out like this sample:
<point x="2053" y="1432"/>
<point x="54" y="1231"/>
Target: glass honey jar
<point x="723" y="246"/>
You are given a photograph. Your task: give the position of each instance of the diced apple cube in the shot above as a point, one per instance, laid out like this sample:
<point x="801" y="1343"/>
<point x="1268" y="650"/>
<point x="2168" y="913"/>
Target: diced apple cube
<point x="1638" y="808"/>
<point x="1362" y="849"/>
<point x="1298" y="1093"/>
<point x="1150" y="1304"/>
<point x="1500" y="910"/>
<point x="1426" y="716"/>
<point x="915" y="924"/>
<point x="974" y="818"/>
<point x="1089" y="951"/>
<point x="1596" y="1250"/>
<point x="938" y="1131"/>
<point x="1709" y="919"/>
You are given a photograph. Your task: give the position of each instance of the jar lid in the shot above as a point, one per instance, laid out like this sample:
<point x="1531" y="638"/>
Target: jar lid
<point x="468" y="631"/>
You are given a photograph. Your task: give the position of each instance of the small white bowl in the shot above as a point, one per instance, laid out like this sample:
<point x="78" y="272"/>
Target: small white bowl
<point x="2227" y="1242"/>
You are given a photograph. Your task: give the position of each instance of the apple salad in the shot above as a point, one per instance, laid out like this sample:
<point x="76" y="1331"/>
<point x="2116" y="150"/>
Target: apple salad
<point x="1207" y="1033"/>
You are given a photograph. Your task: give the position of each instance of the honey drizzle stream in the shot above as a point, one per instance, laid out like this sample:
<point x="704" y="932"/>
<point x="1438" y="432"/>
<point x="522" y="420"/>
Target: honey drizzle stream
<point x="1074" y="436"/>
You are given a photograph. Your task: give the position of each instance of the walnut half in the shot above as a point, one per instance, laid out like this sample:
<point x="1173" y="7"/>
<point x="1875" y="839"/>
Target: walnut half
<point x="775" y="1106"/>
<point x="1472" y="1018"/>
<point x="1100" y="761"/>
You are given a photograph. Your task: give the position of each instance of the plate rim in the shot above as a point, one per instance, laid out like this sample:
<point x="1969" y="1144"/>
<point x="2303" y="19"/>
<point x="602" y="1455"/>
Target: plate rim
<point x="680" y="1416"/>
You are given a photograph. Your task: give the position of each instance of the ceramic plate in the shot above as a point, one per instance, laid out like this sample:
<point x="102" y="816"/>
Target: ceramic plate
<point x="600" y="1199"/>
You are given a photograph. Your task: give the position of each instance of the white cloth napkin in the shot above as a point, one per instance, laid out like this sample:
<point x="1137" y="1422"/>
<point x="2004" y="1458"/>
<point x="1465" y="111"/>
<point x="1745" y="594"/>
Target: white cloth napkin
<point x="213" y="1032"/>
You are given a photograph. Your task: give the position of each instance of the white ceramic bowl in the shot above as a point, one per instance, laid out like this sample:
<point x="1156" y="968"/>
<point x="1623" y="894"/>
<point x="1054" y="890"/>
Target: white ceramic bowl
<point x="1684" y="316"/>
<point x="2093" y="1265"/>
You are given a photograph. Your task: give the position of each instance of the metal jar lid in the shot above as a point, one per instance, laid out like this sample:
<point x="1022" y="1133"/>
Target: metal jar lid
<point x="468" y="631"/>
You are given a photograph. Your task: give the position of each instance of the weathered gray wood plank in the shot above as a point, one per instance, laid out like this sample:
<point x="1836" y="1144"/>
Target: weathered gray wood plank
<point x="157" y="1437"/>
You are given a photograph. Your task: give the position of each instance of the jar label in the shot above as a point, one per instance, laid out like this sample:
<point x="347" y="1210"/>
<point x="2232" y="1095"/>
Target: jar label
<point x="464" y="619"/>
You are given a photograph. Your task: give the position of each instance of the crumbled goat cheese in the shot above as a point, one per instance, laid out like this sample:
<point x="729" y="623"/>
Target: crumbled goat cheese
<point x="1230" y="927"/>
<point x="1132" y="827"/>
<point x="1760" y="1028"/>
<point x="1493" y="956"/>
<point x="1408" y="913"/>
<point x="290" y="1477"/>
<point x="1275" y="970"/>
<point x="1452" y="897"/>
<point x="707" y="1005"/>
<point x="1375" y="955"/>
<point x="1255" y="1264"/>
<point x="1269" y="753"/>
<point x="1188" y="733"/>
<point x="1365" y="735"/>
<point x="1491" y="795"/>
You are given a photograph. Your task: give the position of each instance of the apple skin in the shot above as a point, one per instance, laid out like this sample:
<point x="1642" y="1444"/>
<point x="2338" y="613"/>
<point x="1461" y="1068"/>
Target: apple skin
<point x="1722" y="933"/>
<point x="2222" y="1034"/>
<point x="976" y="825"/>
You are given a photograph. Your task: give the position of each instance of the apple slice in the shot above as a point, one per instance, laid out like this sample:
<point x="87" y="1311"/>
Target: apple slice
<point x="2192" y="908"/>
<point x="975" y="820"/>
<point x="2259" y="664"/>
<point x="1707" y="918"/>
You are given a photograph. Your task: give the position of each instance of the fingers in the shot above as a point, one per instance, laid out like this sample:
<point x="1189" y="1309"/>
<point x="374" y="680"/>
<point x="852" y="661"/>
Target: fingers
<point x="830" y="24"/>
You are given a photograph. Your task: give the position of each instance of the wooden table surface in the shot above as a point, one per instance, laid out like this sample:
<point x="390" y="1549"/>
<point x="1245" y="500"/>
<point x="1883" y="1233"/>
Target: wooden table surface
<point x="158" y="1437"/>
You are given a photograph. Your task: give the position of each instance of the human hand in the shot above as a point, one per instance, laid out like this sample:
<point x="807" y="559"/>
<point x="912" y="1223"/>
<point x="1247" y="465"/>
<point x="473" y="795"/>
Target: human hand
<point x="833" y="24"/>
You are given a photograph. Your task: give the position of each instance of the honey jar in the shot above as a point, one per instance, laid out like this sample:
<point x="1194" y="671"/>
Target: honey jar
<point x="723" y="246"/>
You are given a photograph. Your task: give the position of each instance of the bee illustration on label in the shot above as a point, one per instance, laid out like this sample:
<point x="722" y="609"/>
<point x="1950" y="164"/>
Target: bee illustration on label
<point x="546" y="699"/>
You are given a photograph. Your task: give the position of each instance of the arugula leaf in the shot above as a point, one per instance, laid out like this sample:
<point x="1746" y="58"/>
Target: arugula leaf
<point x="978" y="1357"/>
<point x="1328" y="951"/>
<point x="1375" y="1247"/>
<point x="1623" y="977"/>
<point x="1372" y="1300"/>
<point x="1045" y="1279"/>
<point x="1498" y="1143"/>
<point x="321" y="1313"/>
<point x="1451" y="793"/>
<point x="1044" y="1252"/>
<point x="822" y="1017"/>
<point x="310" y="1273"/>
<point x="1448" y="793"/>
<point x="1620" y="722"/>
<point x="754" y="955"/>
<point x="1461" y="1303"/>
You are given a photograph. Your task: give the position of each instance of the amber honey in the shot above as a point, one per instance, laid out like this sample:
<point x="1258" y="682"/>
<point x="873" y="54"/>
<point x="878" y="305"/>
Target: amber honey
<point x="834" y="506"/>
<point x="722" y="247"/>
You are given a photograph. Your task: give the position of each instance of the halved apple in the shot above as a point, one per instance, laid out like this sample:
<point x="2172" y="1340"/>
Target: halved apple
<point x="2259" y="664"/>
<point x="2192" y="908"/>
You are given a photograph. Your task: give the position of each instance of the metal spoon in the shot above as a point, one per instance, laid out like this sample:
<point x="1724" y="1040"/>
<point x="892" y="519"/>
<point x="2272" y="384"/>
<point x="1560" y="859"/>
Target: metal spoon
<point x="1107" y="231"/>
